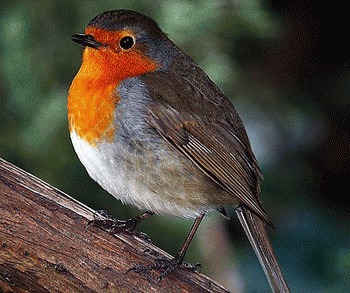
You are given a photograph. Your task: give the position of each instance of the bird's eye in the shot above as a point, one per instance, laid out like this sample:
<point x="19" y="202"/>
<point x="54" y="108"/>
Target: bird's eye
<point x="126" y="42"/>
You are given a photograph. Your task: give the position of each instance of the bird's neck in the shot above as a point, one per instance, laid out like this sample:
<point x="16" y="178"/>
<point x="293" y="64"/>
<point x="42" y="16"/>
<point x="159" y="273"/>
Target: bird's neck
<point x="93" y="94"/>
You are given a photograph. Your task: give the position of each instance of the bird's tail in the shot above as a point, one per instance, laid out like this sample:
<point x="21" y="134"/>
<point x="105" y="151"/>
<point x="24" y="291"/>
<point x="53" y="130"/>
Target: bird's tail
<point x="255" y="230"/>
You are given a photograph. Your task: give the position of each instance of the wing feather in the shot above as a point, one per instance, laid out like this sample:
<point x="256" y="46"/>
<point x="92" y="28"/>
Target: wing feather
<point x="218" y="153"/>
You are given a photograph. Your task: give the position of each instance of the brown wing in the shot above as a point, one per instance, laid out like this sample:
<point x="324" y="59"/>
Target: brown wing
<point x="215" y="149"/>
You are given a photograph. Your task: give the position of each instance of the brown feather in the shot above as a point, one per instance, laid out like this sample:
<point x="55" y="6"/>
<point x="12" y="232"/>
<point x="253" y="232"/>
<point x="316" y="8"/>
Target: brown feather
<point x="202" y="124"/>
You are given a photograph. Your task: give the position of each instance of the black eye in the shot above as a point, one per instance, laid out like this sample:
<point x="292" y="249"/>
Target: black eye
<point x="126" y="42"/>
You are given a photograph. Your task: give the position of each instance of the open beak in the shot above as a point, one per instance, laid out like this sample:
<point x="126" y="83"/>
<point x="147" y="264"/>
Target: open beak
<point x="86" y="40"/>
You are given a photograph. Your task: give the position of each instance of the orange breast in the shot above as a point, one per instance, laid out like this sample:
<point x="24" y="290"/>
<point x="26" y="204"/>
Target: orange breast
<point x="93" y="97"/>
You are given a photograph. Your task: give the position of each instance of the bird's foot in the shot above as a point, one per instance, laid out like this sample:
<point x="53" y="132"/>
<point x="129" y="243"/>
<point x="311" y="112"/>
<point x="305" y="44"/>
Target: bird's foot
<point x="113" y="226"/>
<point x="167" y="265"/>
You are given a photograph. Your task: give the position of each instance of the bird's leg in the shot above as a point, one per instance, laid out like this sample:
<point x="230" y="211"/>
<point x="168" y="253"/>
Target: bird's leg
<point x="170" y="265"/>
<point x="114" y="226"/>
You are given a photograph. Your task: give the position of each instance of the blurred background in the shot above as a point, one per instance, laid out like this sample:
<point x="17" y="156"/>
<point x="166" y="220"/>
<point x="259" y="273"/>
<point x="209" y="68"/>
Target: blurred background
<point x="284" y="64"/>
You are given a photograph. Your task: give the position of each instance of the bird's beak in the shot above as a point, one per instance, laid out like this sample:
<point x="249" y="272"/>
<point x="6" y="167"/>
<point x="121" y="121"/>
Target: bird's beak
<point x="86" y="40"/>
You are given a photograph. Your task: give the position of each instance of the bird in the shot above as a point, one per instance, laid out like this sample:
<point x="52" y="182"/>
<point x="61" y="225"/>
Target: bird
<point x="154" y="131"/>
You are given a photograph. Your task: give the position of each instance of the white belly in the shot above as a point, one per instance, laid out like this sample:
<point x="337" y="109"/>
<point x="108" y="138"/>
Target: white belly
<point x="134" y="178"/>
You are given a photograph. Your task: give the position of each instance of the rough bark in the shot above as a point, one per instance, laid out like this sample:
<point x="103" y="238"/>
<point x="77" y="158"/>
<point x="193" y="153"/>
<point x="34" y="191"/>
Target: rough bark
<point x="46" y="245"/>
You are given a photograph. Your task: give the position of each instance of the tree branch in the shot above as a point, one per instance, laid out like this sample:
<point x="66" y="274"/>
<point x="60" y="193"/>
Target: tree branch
<point x="47" y="246"/>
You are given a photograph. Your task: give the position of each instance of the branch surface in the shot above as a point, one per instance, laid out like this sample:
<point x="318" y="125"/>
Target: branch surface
<point x="46" y="245"/>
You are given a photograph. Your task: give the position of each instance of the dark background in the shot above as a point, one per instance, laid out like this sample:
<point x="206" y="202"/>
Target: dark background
<point x="285" y="65"/>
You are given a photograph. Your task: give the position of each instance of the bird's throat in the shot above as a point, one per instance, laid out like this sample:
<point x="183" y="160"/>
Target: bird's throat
<point x="92" y="100"/>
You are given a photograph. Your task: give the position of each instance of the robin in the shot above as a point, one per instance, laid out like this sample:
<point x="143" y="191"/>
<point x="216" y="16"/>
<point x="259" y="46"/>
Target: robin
<point x="155" y="132"/>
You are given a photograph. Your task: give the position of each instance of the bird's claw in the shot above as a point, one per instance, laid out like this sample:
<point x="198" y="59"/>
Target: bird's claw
<point x="167" y="265"/>
<point x="113" y="226"/>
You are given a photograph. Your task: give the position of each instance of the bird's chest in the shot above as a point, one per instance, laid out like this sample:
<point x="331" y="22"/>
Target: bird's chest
<point x="91" y="107"/>
<point x="113" y="140"/>
<point x="107" y="124"/>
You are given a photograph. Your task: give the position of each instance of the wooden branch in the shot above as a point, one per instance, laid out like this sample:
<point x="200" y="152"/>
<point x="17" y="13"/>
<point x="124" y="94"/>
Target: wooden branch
<point x="47" y="246"/>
